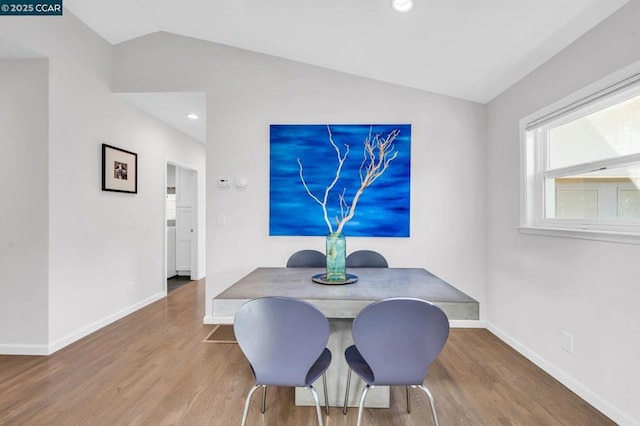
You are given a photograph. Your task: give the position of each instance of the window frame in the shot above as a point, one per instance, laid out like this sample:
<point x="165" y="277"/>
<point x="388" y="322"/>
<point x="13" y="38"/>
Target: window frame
<point x="534" y="130"/>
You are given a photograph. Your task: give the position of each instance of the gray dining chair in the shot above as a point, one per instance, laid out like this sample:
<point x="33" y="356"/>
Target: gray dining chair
<point x="307" y="259"/>
<point x="366" y="259"/>
<point x="396" y="340"/>
<point x="284" y="340"/>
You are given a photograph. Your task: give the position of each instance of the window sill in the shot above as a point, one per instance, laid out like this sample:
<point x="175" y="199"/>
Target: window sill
<point x="583" y="234"/>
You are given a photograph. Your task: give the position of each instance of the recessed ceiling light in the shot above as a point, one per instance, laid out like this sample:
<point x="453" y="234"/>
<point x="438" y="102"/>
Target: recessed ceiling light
<point x="402" y="6"/>
<point x="192" y="116"/>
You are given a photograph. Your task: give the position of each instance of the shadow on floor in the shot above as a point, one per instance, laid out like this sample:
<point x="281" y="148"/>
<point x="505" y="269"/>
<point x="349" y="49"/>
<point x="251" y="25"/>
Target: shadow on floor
<point x="177" y="282"/>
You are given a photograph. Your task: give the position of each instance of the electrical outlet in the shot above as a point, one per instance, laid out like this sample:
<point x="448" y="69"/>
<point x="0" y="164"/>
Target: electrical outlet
<point x="567" y="342"/>
<point x="222" y="219"/>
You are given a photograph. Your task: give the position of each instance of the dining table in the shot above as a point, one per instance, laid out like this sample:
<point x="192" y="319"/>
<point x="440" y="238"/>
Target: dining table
<point x="341" y="303"/>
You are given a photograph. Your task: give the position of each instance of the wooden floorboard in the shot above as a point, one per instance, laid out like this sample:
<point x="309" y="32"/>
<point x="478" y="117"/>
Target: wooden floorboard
<point x="153" y="368"/>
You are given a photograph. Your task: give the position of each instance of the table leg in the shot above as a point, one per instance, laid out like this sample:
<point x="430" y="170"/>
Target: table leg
<point x="339" y="339"/>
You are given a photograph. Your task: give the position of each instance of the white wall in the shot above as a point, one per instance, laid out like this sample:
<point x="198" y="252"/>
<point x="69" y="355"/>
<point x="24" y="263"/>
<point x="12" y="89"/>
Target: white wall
<point x="24" y="196"/>
<point x="540" y="286"/>
<point x="246" y="92"/>
<point x="106" y="250"/>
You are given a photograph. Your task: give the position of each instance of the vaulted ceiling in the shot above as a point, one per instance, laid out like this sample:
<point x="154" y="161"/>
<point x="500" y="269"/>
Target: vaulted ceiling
<point x="471" y="49"/>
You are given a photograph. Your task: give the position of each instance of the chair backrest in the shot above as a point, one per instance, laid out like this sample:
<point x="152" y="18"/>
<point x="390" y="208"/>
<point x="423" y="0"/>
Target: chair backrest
<point x="281" y="337"/>
<point x="307" y="258"/>
<point x="399" y="338"/>
<point x="366" y="259"/>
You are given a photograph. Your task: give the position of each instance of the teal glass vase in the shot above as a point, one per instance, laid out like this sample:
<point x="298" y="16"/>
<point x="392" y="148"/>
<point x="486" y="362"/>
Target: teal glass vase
<point x="336" y="257"/>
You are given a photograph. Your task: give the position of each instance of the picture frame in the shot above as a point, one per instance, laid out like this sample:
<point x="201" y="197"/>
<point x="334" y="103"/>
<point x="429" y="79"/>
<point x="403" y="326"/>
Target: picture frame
<point x="119" y="170"/>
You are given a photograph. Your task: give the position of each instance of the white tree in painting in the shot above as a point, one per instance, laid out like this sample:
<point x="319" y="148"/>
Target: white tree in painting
<point x="377" y="153"/>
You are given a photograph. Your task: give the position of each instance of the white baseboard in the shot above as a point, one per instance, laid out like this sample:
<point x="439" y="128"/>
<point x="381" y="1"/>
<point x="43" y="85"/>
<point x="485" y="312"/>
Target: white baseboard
<point x="467" y="324"/>
<point x="77" y="335"/>
<point x="24" y="349"/>
<point x="606" y="407"/>
<point x="217" y="319"/>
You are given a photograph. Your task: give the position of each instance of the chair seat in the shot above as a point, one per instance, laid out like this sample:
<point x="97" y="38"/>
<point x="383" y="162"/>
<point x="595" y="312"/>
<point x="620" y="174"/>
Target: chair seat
<point x="319" y="367"/>
<point x="358" y="364"/>
<point x="315" y="371"/>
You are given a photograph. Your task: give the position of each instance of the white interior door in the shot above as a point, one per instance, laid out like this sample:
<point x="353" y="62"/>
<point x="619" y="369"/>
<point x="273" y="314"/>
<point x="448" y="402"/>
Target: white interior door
<point x="184" y="233"/>
<point x="185" y="223"/>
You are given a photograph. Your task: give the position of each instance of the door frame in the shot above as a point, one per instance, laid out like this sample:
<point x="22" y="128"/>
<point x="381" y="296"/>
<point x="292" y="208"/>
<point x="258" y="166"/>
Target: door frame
<point x="197" y="244"/>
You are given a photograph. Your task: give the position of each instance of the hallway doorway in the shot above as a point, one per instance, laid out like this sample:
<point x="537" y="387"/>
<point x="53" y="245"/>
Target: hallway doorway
<point x="181" y="202"/>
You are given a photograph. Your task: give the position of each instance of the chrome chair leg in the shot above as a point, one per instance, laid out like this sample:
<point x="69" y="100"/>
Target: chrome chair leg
<point x="408" y="401"/>
<point x="433" y="404"/>
<point x="361" y="406"/>
<point x="246" y="404"/>
<point x="317" y="400"/>
<point x="326" y="397"/>
<point x="346" y="394"/>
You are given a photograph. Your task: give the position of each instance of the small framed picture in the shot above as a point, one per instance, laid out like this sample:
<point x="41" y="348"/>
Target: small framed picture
<point x="119" y="170"/>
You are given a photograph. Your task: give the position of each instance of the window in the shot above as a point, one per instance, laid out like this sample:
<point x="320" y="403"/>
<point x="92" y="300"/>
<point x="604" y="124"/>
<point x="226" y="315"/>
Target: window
<point x="581" y="164"/>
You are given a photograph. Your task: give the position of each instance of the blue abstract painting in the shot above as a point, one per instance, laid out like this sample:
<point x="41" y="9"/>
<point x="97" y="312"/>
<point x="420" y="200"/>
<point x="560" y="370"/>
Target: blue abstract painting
<point x="382" y="209"/>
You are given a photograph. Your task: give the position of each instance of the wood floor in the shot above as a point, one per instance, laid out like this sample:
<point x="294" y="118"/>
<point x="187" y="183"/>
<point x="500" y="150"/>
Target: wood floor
<point x="152" y="368"/>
